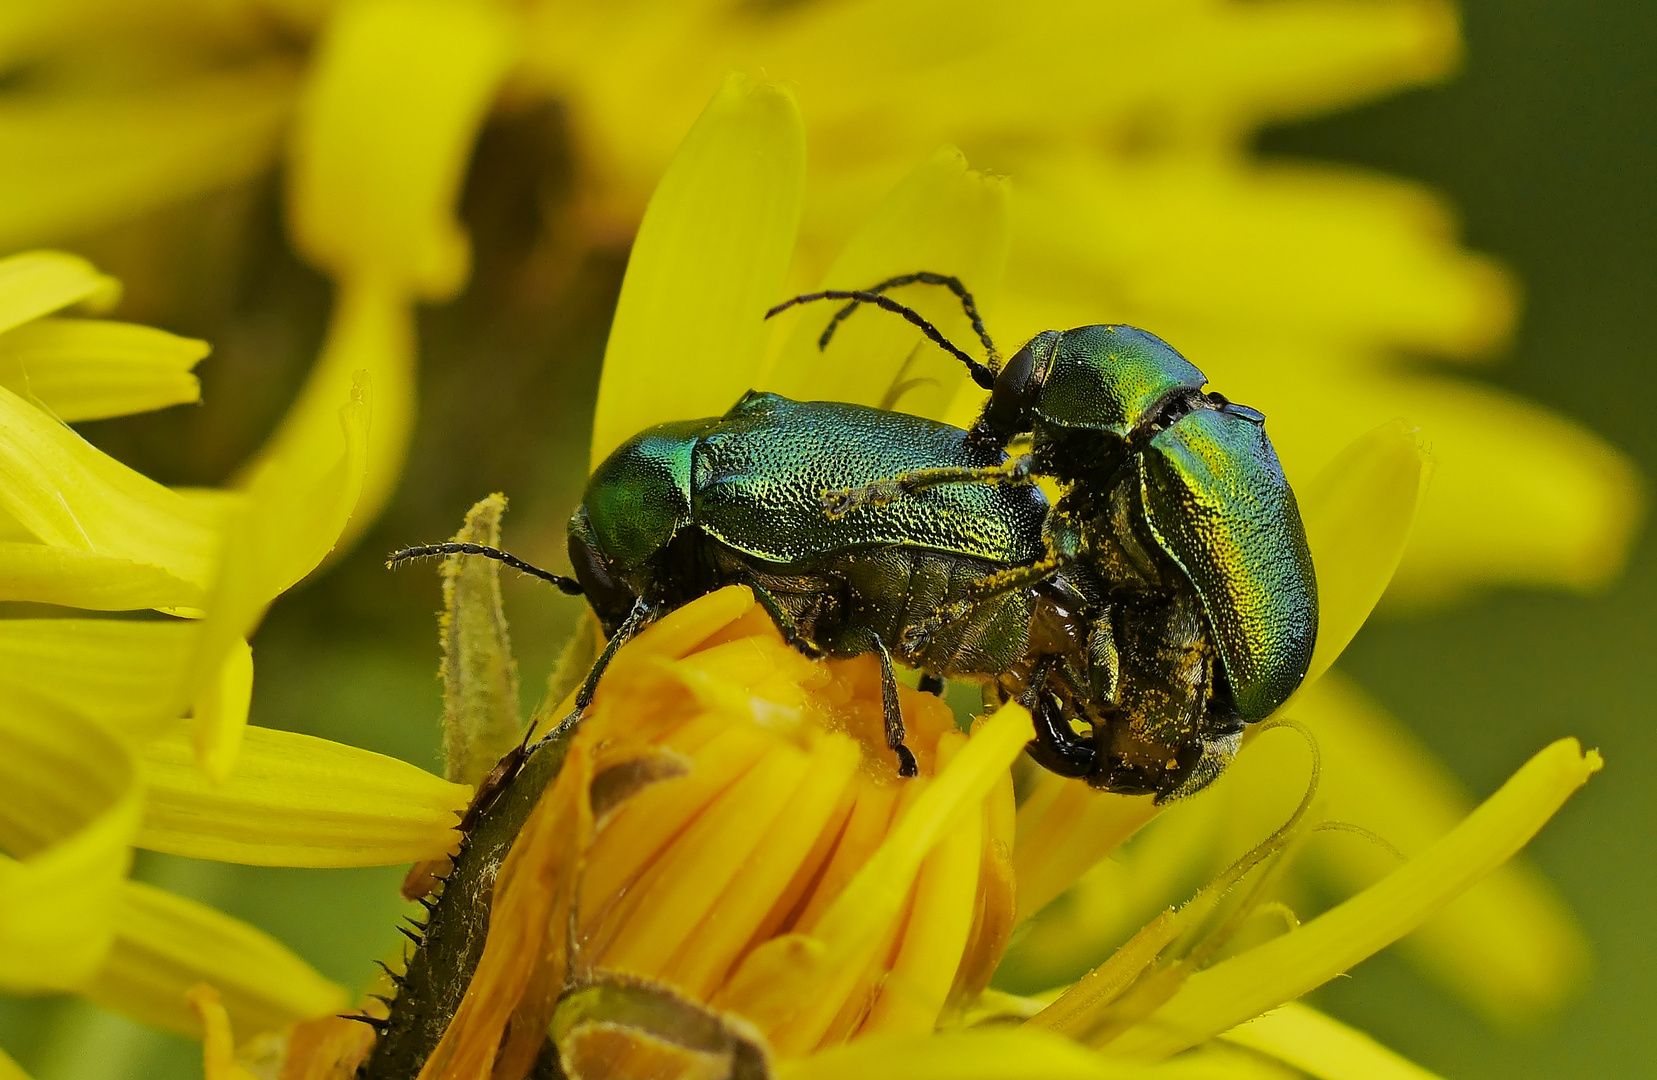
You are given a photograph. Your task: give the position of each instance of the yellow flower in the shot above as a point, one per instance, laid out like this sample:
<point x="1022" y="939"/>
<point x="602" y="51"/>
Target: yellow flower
<point x="718" y="874"/>
<point x="1137" y="198"/>
<point x="129" y="732"/>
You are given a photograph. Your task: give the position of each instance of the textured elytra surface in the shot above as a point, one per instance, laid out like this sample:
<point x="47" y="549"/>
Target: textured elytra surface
<point x="762" y="472"/>
<point x="1216" y="499"/>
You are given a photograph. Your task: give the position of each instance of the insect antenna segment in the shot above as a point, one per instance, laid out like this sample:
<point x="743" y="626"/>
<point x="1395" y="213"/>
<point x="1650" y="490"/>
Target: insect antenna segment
<point x="982" y="375"/>
<point x="566" y="585"/>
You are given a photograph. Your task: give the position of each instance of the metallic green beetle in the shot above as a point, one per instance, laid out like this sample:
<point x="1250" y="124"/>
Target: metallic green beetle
<point x="1171" y="495"/>
<point x="684" y="508"/>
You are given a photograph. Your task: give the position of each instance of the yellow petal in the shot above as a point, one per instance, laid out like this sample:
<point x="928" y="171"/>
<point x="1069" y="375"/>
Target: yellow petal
<point x="88" y="369"/>
<point x="81" y="161"/>
<point x="1068" y="829"/>
<point x="710" y="257"/>
<point x="42" y="574"/>
<point x="1509" y="944"/>
<point x="71" y="808"/>
<point x="296" y="800"/>
<point x="1008" y="1054"/>
<point x="1322" y="1046"/>
<point x="395" y="94"/>
<point x="218" y="1041"/>
<point x="1286" y="967"/>
<point x="943" y="218"/>
<point x="72" y="495"/>
<point x="166" y="944"/>
<point x="292" y="517"/>
<point x="1518" y="495"/>
<point x="1358" y="513"/>
<point x="220" y="713"/>
<point x="38" y="283"/>
<point x="9" y="1069"/>
<point x="1176" y="241"/>
<point x="124" y="673"/>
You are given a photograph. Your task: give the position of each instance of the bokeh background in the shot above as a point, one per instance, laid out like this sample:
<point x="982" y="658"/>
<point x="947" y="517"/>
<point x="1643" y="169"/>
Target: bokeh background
<point x="1546" y="145"/>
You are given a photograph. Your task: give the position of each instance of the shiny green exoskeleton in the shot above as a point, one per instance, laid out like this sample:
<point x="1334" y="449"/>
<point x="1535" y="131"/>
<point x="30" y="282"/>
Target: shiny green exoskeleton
<point x="684" y="508"/>
<point x="1177" y="528"/>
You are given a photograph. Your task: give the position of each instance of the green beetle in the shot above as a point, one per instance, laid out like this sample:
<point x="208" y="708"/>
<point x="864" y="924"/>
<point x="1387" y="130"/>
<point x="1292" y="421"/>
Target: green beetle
<point x="683" y="508"/>
<point x="1174" y="502"/>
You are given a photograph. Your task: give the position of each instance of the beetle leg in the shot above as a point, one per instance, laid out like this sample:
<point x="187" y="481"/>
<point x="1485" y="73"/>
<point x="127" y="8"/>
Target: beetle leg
<point x="642" y="615"/>
<point x="786" y="626"/>
<point x="866" y="640"/>
<point x="1056" y="747"/>
<point x="838" y="502"/>
<point x="930" y="684"/>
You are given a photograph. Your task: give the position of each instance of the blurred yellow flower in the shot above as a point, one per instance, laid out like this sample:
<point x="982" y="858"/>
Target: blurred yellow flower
<point x="129" y="732"/>
<point x="1137" y="196"/>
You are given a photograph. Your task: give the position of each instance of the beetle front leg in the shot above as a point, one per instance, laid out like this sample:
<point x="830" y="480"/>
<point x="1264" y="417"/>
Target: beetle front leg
<point x="642" y="615"/>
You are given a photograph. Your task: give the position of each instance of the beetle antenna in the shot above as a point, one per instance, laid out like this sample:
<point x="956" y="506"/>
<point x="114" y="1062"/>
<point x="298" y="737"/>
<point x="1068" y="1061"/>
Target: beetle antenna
<point x="924" y="277"/>
<point x="981" y="375"/>
<point x="567" y="586"/>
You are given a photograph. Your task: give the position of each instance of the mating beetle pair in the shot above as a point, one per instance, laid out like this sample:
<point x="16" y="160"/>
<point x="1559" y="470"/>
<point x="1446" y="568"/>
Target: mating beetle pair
<point x="1166" y="599"/>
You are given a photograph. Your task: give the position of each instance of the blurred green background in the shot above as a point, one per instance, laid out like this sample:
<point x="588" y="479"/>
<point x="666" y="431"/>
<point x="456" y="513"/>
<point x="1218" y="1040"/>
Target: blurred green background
<point x="1546" y="144"/>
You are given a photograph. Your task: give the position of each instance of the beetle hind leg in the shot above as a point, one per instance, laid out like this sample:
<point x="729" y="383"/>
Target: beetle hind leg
<point x="865" y="640"/>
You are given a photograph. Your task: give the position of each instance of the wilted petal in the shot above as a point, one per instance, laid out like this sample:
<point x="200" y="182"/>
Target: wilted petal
<point x="1509" y="944"/>
<point x="123" y="672"/>
<point x="42" y="574"/>
<point x="88" y="369"/>
<point x="71" y="808"/>
<point x="944" y="218"/>
<point x="165" y="944"/>
<point x="1246" y="985"/>
<point x="77" y="162"/>
<point x="710" y="257"/>
<point x="296" y="800"/>
<point x="1321" y="1046"/>
<point x="70" y="494"/>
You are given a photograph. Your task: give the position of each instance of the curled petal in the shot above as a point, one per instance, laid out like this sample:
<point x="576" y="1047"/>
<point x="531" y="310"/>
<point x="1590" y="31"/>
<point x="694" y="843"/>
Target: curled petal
<point x="710" y="256"/>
